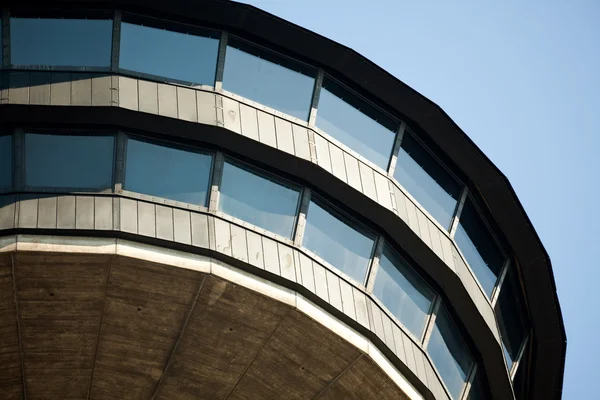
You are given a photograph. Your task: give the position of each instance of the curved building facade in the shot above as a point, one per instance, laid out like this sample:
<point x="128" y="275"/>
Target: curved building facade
<point x="206" y="201"/>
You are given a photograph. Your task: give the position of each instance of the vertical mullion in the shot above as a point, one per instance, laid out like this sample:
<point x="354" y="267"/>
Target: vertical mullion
<point x="374" y="267"/>
<point x="396" y="149"/>
<point x="469" y="384"/>
<point x="121" y="155"/>
<point x="458" y="211"/>
<point x="221" y="61"/>
<point x="515" y="365"/>
<point x="301" y="220"/>
<point x="499" y="283"/>
<point x="215" y="187"/>
<point x="5" y="42"/>
<point x="116" y="41"/>
<point x="312" y="118"/>
<point x="431" y="322"/>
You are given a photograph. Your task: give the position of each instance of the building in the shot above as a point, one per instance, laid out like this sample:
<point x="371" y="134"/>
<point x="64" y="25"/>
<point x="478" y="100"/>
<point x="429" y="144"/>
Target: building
<point x="201" y="200"/>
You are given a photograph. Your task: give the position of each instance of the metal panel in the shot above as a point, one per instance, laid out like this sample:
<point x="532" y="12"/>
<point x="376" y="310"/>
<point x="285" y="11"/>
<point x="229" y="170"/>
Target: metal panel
<point x="255" y="250"/>
<point x="271" y="255"/>
<point x="39" y="90"/>
<point x="285" y="140"/>
<point x="383" y="190"/>
<point x="368" y="181"/>
<point x="60" y="88"/>
<point x="249" y="121"/>
<point x="337" y="162"/>
<point x="239" y="246"/>
<point x="182" y="231"/>
<point x="47" y="212"/>
<point x="360" y="306"/>
<point x="401" y="201"/>
<point x="322" y="149"/>
<point x="320" y="281"/>
<point x="7" y="211"/>
<point x="101" y="88"/>
<point x="186" y="104"/>
<point x="18" y="90"/>
<point x="266" y="129"/>
<point x="114" y="86"/>
<point x="399" y="343"/>
<point x="333" y="286"/>
<point x="301" y="145"/>
<point x="447" y="250"/>
<point x="65" y="218"/>
<point x="306" y="272"/>
<point x="411" y="212"/>
<point x="420" y="366"/>
<point x="207" y="113"/>
<point x="146" y="219"/>
<point x="347" y="299"/>
<point x="436" y="243"/>
<point x="200" y="230"/>
<point x="81" y="89"/>
<point x="103" y="213"/>
<point x="128" y="93"/>
<point x="409" y="348"/>
<point x="352" y="172"/>
<point x="164" y="222"/>
<point x="28" y="212"/>
<point x="222" y="236"/>
<point x="424" y="224"/>
<point x="387" y="330"/>
<point x="128" y="209"/>
<point x="375" y="318"/>
<point x="231" y="115"/>
<point x="167" y="100"/>
<point x="84" y="212"/>
<point x="286" y="262"/>
<point x="148" y="96"/>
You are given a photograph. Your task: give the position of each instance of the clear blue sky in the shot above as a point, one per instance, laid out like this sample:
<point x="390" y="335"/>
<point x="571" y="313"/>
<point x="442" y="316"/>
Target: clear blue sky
<point x="522" y="79"/>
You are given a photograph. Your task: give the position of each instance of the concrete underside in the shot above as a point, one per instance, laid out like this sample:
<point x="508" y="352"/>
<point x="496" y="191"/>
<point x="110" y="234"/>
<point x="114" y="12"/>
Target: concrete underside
<point x="76" y="326"/>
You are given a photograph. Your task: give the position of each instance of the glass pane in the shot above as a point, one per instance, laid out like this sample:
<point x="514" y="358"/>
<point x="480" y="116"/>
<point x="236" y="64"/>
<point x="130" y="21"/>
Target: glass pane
<point x="426" y="180"/>
<point x="258" y="200"/>
<point x="166" y="172"/>
<point x="5" y="162"/>
<point x="269" y="82"/>
<point x="60" y="161"/>
<point x="403" y="292"/>
<point x="479" y="247"/>
<point x="476" y="393"/>
<point x="337" y="242"/>
<point x="449" y="354"/>
<point x="168" y="54"/>
<point x="511" y="319"/>
<point x="356" y="124"/>
<point x="61" y="42"/>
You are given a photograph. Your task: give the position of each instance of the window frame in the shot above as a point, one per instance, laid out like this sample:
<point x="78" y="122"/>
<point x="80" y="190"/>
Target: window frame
<point x="12" y="186"/>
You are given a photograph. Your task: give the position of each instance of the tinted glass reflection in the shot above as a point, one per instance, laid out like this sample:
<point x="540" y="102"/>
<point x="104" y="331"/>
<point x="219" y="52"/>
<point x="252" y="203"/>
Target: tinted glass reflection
<point x="479" y="247"/>
<point x="60" y="161"/>
<point x="511" y="319"/>
<point x="61" y="42"/>
<point x="5" y="162"/>
<point x="449" y="354"/>
<point x="356" y="124"/>
<point x="166" y="172"/>
<point x="275" y="82"/>
<point x="337" y="242"/>
<point x="426" y="180"/>
<point x="403" y="292"/>
<point x="168" y="54"/>
<point x="258" y="200"/>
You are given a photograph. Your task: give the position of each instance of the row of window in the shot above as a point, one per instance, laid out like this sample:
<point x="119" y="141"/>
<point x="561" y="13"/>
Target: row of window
<point x="189" y="55"/>
<point x="87" y="162"/>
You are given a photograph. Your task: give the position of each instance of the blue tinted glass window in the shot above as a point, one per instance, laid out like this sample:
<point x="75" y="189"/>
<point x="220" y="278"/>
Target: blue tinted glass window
<point x="275" y="82"/>
<point x="426" y="180"/>
<point x="60" y="161"/>
<point x="511" y="319"/>
<point x="403" y="292"/>
<point x="61" y="42"/>
<point x="167" y="172"/>
<point x="449" y="354"/>
<point x="5" y="162"/>
<point x="479" y="247"/>
<point x="336" y="242"/>
<point x="175" y="55"/>
<point x="258" y="200"/>
<point x="356" y="124"/>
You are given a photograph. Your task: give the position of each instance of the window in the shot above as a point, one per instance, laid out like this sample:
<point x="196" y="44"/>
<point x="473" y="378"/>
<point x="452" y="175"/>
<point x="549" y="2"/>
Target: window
<point x="338" y="243"/>
<point x="167" y="172"/>
<point x="426" y="180"/>
<point x="449" y="354"/>
<point x="76" y="162"/>
<point x="479" y="247"/>
<point x="266" y="78"/>
<point x="356" y="124"/>
<point x="258" y="200"/>
<point x="476" y="392"/>
<point x="61" y="42"/>
<point x="403" y="292"/>
<point x="175" y="55"/>
<point x="511" y="318"/>
<point x="5" y="162"/>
